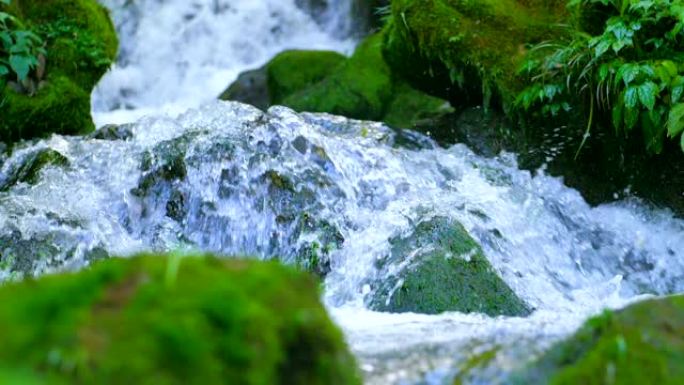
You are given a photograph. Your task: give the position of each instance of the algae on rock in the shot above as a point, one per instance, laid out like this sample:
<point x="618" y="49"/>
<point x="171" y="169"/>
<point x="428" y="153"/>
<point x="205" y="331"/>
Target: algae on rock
<point x="439" y="268"/>
<point x="174" y="320"/>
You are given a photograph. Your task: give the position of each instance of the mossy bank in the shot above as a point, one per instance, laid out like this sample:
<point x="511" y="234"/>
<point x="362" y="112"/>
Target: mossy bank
<point x="171" y="320"/>
<point x="80" y="44"/>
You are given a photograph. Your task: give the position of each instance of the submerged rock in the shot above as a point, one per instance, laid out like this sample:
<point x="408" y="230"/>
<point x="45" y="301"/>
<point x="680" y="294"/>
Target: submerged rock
<point x="81" y="44"/>
<point x="641" y="344"/>
<point x="439" y="268"/>
<point x="179" y="320"/>
<point x="28" y="171"/>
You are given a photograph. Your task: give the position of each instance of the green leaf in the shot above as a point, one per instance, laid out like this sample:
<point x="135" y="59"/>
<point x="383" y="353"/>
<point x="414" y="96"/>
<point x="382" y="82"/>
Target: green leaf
<point x="682" y="143"/>
<point x="628" y="72"/>
<point x="631" y="97"/>
<point x="3" y="70"/>
<point x="617" y="114"/>
<point x="21" y="65"/>
<point x="647" y="94"/>
<point x="631" y="117"/>
<point x="675" y="121"/>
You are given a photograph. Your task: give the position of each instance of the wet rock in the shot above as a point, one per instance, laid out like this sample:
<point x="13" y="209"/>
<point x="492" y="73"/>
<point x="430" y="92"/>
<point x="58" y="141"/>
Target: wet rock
<point x="113" y="132"/>
<point x="439" y="268"/>
<point x="28" y="171"/>
<point x="641" y="344"/>
<point x="250" y="87"/>
<point x="195" y="323"/>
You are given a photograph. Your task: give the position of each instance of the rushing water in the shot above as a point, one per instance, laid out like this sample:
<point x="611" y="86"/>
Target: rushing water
<point x="232" y="179"/>
<point x="213" y="179"/>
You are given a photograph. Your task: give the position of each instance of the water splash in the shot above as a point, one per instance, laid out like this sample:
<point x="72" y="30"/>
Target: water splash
<point x="230" y="178"/>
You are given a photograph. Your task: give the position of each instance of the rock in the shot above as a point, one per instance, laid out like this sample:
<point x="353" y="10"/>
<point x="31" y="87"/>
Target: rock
<point x="179" y="320"/>
<point x="439" y="268"/>
<point x="292" y="71"/>
<point x="250" y="87"/>
<point x="641" y="344"/>
<point x="361" y="87"/>
<point x="113" y="132"/>
<point x="28" y="171"/>
<point x="81" y="44"/>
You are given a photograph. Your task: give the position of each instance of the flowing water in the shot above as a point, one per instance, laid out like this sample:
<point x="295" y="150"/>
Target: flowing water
<point x="229" y="178"/>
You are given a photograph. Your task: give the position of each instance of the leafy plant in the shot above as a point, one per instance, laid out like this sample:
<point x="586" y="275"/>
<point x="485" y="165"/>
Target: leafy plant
<point x="632" y="72"/>
<point x="91" y="51"/>
<point x="21" y="50"/>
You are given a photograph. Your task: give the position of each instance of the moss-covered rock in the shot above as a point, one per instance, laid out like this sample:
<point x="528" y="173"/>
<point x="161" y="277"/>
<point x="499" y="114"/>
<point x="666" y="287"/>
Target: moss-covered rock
<point x="441" y="268"/>
<point x="151" y="320"/>
<point x="467" y="51"/>
<point x="361" y="87"/>
<point x="292" y="71"/>
<point x="642" y="344"/>
<point x="81" y="44"/>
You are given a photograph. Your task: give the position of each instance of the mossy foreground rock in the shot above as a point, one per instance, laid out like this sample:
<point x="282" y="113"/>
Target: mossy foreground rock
<point x="81" y="44"/>
<point x="361" y="87"/>
<point x="642" y="344"/>
<point x="445" y="271"/>
<point x="155" y="320"/>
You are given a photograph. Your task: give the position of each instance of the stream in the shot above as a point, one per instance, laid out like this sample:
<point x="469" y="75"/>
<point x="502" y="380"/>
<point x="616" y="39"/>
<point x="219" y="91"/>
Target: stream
<point x="185" y="172"/>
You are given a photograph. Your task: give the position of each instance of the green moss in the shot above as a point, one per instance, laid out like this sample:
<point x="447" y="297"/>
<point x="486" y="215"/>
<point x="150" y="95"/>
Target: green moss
<point x="292" y="71"/>
<point x="360" y="88"/>
<point x="59" y="107"/>
<point x="642" y="344"/>
<point x="464" y="50"/>
<point x="446" y="272"/>
<point x="81" y="44"/>
<point x="152" y="320"/>
<point x="411" y="107"/>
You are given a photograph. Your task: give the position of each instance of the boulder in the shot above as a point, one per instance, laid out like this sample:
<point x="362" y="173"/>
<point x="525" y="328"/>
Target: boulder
<point x="439" y="267"/>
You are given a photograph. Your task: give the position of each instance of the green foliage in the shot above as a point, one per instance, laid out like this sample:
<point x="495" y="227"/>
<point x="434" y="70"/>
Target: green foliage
<point x="632" y="71"/>
<point x="20" y="48"/>
<point x="91" y="52"/>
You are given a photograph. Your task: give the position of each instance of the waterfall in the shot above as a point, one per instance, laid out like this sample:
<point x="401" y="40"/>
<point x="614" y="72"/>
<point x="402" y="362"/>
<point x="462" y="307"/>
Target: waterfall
<point x="178" y="54"/>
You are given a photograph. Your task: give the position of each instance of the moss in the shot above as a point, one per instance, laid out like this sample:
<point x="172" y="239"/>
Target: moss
<point x="447" y="272"/>
<point x="360" y="88"/>
<point x="81" y="44"/>
<point x="29" y="170"/>
<point x="59" y="107"/>
<point x="642" y="344"/>
<point x="411" y="107"/>
<point x="291" y="71"/>
<point x="193" y="320"/>
<point x="467" y="51"/>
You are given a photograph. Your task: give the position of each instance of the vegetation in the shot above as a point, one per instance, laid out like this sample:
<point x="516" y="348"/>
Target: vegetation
<point x="642" y="344"/>
<point x="53" y="54"/>
<point x="21" y="51"/>
<point x="631" y="67"/>
<point x="171" y="320"/>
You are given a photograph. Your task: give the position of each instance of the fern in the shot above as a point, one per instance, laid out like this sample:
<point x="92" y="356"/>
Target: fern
<point x="633" y="71"/>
